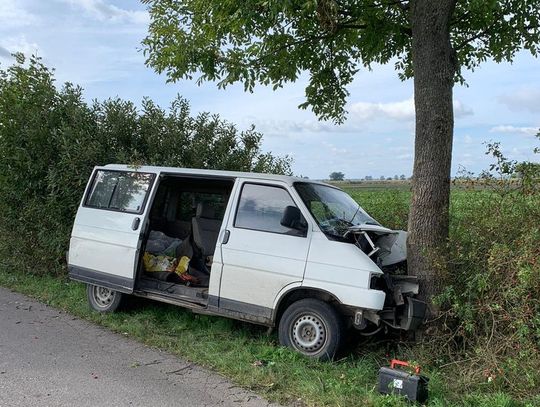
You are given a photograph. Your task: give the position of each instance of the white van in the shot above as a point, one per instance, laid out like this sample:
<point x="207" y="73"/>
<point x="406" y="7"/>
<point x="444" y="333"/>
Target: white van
<point x="275" y="250"/>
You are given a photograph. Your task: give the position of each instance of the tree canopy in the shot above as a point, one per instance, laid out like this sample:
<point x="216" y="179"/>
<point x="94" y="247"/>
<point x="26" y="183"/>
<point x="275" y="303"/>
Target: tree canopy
<point x="273" y="42"/>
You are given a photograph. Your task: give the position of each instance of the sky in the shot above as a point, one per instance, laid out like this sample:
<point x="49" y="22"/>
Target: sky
<point x="97" y="44"/>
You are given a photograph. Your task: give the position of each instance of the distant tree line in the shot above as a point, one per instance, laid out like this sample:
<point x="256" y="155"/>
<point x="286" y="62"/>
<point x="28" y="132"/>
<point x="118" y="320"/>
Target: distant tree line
<point x="339" y="176"/>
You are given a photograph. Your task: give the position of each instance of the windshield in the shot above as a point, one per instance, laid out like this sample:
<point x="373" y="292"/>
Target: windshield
<point x="334" y="210"/>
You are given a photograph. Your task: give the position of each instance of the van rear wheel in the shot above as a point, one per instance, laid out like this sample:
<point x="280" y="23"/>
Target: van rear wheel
<point x="103" y="299"/>
<point x="313" y="328"/>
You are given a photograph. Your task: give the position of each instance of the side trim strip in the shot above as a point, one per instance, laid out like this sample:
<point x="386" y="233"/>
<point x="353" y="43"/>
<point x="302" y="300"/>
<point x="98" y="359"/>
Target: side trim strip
<point x="84" y="275"/>
<point x="243" y="307"/>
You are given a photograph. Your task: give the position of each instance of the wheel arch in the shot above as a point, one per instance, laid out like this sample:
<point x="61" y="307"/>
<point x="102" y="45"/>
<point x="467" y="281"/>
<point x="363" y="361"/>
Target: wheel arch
<point x="299" y="293"/>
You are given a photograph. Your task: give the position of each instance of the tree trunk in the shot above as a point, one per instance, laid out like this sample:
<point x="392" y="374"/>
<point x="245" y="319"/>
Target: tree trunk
<point x="434" y="69"/>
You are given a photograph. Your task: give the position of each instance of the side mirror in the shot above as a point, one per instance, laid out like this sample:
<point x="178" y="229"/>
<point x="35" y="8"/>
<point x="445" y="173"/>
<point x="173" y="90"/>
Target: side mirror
<point x="292" y="218"/>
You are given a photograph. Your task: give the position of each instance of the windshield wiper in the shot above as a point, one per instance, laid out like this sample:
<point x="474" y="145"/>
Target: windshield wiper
<point x="357" y="209"/>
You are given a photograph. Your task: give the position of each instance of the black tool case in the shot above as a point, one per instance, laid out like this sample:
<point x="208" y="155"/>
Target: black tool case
<point x="413" y="386"/>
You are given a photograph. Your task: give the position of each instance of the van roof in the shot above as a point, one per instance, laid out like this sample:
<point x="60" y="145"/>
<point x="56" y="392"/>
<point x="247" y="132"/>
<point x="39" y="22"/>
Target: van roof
<point x="231" y="174"/>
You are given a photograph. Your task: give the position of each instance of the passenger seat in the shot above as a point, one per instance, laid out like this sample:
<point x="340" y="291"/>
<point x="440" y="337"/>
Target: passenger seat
<point x="205" y="228"/>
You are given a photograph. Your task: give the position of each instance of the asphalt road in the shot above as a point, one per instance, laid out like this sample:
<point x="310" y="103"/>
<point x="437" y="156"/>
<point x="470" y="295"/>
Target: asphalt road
<point x="50" y="358"/>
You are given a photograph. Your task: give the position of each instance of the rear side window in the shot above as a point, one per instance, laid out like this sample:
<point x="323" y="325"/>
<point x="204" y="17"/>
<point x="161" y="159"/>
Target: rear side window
<point x="119" y="191"/>
<point x="261" y="207"/>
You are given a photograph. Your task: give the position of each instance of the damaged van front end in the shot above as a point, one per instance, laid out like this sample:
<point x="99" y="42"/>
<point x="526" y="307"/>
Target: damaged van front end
<point x="380" y="257"/>
<point x="387" y="249"/>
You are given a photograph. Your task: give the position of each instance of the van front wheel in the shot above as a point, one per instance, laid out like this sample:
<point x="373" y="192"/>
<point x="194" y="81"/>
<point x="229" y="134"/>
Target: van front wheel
<point x="103" y="299"/>
<point x="313" y="328"/>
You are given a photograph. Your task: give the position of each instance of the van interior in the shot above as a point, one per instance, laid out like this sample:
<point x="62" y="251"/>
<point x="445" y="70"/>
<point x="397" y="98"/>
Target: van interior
<point x="178" y="248"/>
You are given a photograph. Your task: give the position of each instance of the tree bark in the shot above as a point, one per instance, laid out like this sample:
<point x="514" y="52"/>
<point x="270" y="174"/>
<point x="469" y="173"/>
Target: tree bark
<point x="434" y="69"/>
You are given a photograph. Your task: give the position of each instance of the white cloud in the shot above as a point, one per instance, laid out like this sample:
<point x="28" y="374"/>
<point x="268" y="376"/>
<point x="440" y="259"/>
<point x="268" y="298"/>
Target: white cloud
<point x="403" y="110"/>
<point x="12" y="15"/>
<point x="360" y="114"/>
<point x="19" y="44"/>
<point x="522" y="99"/>
<point x="399" y="152"/>
<point x="335" y="150"/>
<point x="103" y="11"/>
<point x="527" y="131"/>
<point x="4" y="52"/>
<point x="400" y="111"/>
<point x="461" y="110"/>
<point x="287" y="127"/>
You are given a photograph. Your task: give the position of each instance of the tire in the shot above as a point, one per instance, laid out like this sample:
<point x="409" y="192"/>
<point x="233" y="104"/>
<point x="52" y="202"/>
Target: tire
<point x="103" y="299"/>
<point x="313" y="328"/>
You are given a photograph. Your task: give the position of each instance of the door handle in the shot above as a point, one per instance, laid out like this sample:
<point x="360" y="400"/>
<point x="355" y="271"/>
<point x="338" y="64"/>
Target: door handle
<point x="226" y="236"/>
<point x="135" y="224"/>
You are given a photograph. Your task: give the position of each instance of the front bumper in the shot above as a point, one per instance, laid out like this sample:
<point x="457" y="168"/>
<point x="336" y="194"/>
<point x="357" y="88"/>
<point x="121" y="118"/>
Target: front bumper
<point x="401" y="310"/>
<point x="406" y="317"/>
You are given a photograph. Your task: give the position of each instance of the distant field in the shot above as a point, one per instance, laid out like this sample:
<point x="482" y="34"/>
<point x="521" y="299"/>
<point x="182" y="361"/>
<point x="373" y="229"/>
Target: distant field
<point x="387" y="184"/>
<point x="389" y="201"/>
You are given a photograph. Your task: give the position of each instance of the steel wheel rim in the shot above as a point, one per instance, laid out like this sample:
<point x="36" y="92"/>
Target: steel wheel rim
<point x="309" y="333"/>
<point x="103" y="296"/>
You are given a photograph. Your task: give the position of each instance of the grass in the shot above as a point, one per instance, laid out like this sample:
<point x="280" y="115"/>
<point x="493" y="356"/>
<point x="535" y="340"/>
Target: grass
<point x="228" y="347"/>
<point x="232" y="348"/>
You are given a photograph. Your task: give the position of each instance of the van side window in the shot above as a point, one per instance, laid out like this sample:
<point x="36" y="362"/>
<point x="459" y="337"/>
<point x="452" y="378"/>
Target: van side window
<point x="120" y="191"/>
<point x="261" y="207"/>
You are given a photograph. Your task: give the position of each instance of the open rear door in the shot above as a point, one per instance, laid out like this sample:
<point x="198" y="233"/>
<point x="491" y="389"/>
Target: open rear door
<point x="106" y="236"/>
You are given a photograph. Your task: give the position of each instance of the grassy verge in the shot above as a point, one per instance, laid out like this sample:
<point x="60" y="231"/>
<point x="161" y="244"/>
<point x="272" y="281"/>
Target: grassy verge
<point x="231" y="348"/>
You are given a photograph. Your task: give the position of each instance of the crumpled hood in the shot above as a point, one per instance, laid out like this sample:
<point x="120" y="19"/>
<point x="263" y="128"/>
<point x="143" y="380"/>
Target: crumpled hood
<point x="391" y="244"/>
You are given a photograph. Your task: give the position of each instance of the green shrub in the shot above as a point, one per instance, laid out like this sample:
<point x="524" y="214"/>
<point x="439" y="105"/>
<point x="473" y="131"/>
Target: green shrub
<point x="50" y="139"/>
<point x="490" y="323"/>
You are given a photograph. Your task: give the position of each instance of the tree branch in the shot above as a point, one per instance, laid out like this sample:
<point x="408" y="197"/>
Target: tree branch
<point x="472" y="38"/>
<point x="289" y="45"/>
<point x="484" y="32"/>
<point x="351" y="25"/>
